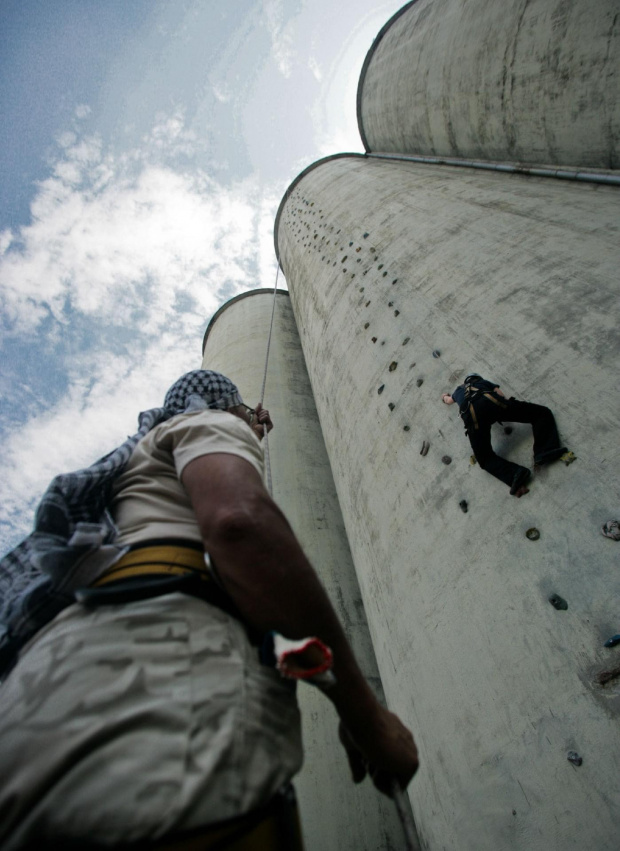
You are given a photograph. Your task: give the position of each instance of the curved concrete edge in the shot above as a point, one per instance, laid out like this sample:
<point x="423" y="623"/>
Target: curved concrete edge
<point x="226" y="305"/>
<point x="367" y="61"/>
<point x="289" y="190"/>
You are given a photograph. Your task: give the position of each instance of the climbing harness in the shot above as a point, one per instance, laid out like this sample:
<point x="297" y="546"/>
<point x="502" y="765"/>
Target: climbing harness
<point x="472" y="394"/>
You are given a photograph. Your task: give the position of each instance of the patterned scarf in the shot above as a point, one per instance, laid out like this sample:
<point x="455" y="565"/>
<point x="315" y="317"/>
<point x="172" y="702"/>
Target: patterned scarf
<point x="72" y="543"/>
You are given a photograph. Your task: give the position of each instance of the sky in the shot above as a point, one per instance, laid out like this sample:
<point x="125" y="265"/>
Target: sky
<point x="144" y="149"/>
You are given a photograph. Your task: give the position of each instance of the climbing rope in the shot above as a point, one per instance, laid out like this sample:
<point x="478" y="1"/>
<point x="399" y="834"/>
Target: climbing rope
<point x="403" y="811"/>
<point x="262" y="392"/>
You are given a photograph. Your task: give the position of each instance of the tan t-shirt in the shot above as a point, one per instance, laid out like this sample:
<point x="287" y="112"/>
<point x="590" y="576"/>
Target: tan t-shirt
<point x="149" y="499"/>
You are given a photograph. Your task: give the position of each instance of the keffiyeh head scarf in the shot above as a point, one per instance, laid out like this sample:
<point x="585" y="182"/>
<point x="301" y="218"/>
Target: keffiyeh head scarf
<point x="73" y="538"/>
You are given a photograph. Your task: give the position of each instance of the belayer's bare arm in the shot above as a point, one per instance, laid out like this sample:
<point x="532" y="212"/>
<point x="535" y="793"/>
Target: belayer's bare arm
<point x="274" y="587"/>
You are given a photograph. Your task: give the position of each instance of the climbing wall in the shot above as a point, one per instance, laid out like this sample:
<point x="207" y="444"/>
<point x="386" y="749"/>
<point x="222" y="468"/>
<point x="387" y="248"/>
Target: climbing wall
<point x="534" y="81"/>
<point x="336" y="815"/>
<point x="404" y="278"/>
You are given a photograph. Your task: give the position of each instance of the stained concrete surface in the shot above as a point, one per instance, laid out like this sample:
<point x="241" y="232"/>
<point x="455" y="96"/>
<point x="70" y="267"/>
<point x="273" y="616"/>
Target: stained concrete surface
<point x="534" y="81"/>
<point x="516" y="278"/>
<point x="336" y="815"/>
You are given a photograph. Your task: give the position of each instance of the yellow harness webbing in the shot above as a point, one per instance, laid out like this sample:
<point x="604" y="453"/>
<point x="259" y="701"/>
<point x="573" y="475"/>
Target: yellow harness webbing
<point x="167" y="560"/>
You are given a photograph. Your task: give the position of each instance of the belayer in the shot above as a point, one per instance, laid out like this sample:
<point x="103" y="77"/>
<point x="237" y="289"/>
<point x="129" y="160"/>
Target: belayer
<point x="135" y="712"/>
<point x="482" y="403"/>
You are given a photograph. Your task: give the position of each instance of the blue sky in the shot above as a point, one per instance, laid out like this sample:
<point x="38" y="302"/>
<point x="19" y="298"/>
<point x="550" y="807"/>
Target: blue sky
<point x="145" y="147"/>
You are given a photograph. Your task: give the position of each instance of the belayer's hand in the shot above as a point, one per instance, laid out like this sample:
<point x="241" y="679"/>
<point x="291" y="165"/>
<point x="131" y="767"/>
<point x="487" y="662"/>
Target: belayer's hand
<point x="385" y="751"/>
<point x="262" y="419"/>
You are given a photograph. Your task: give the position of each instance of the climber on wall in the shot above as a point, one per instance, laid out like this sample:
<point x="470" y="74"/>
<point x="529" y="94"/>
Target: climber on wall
<point x="482" y="403"/>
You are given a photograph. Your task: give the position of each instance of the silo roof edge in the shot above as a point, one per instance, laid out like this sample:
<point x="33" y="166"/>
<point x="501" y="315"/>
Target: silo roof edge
<point x="294" y="183"/>
<point x="226" y="305"/>
<point x="367" y="62"/>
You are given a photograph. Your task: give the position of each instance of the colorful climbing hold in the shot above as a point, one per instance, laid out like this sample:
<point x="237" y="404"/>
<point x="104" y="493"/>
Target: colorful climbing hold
<point x="573" y="756"/>
<point x="393" y="366"/>
<point x="558" y="602"/>
<point x="532" y="534"/>
<point x="425" y="447"/>
<point x="611" y="642"/>
<point x="380" y="390"/>
<point x="406" y="428"/>
<point x="391" y="406"/>
<point x="420" y="382"/>
<point x="446" y="459"/>
<point x="436" y="353"/>
<point x="463" y="506"/>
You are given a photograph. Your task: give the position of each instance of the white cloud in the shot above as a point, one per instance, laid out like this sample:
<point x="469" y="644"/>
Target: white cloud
<point x="118" y="246"/>
<point x="282" y="36"/>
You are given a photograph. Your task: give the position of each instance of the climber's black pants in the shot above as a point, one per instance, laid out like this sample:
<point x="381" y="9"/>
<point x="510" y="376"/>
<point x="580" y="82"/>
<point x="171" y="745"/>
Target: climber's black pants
<point x="546" y="438"/>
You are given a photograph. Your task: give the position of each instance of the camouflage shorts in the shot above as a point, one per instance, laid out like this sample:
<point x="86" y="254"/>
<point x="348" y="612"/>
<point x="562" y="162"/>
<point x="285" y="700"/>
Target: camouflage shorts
<point x="129" y="722"/>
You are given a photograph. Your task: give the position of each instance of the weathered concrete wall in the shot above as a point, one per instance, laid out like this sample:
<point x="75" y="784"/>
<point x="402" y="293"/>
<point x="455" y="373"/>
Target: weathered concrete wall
<point x="516" y="278"/>
<point x="336" y="815"/>
<point x="534" y="81"/>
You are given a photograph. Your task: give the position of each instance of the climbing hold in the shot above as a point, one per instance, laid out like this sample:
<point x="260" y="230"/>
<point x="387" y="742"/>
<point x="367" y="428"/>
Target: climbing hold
<point x="420" y="382"/>
<point x="391" y="406"/>
<point x="605" y="677"/>
<point x="611" y="642"/>
<point x="446" y="459"/>
<point x="558" y="602"/>
<point x="357" y="250"/>
<point x="611" y="529"/>
<point x="380" y="390"/>
<point x="425" y="447"/>
<point x="380" y="266"/>
<point x="406" y="428"/>
<point x="396" y="312"/>
<point x="436" y="353"/>
<point x="463" y="506"/>
<point x="573" y="756"/>
<point x="374" y="339"/>
<point x="568" y="457"/>
<point x="350" y="244"/>
<point x="533" y="534"/>
<point x="367" y="303"/>
<point x="390" y="304"/>
<point x="508" y="430"/>
<point x="366" y="325"/>
<point x="395" y="281"/>
<point x="406" y="340"/>
<point x="366" y="235"/>
<point x="472" y="460"/>
<point x="384" y="274"/>
<point x="393" y="366"/>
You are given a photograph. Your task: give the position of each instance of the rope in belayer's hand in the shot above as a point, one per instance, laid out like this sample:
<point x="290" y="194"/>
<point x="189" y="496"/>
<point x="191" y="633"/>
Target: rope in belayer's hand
<point x="398" y="794"/>
<point x="262" y="392"/>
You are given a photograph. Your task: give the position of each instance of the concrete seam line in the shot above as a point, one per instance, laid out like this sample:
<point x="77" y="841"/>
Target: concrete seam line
<point x="531" y="171"/>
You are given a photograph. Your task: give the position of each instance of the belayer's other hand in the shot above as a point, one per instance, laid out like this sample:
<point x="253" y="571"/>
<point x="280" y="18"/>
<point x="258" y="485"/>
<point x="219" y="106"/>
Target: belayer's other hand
<point x="385" y="751"/>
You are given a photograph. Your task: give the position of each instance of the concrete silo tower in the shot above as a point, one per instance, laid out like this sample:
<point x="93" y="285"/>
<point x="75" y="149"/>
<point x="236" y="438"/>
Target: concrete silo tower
<point x="534" y="81"/>
<point x="336" y="815"/>
<point x="404" y="276"/>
